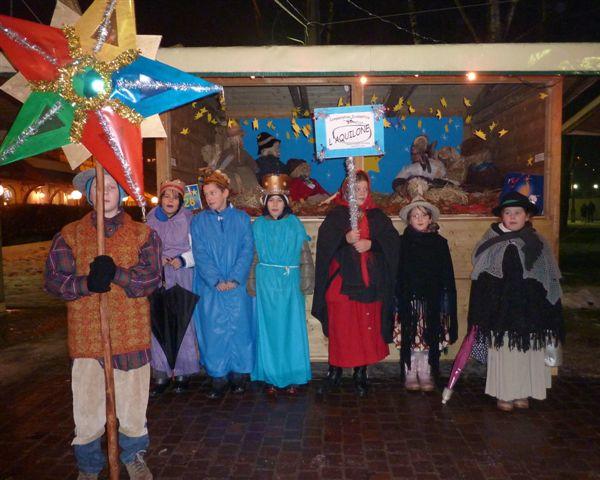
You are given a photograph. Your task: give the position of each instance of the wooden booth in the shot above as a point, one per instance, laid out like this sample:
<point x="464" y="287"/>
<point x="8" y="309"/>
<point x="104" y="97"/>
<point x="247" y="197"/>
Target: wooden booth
<point x="489" y="117"/>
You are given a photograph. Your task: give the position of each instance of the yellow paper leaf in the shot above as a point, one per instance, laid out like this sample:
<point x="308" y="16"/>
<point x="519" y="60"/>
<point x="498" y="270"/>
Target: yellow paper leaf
<point x="347" y="104"/>
<point x="530" y="162"/>
<point x="296" y="134"/>
<point x="411" y="109"/>
<point x="468" y="119"/>
<point x="209" y="117"/>
<point x="409" y="103"/>
<point x="203" y="110"/>
<point x="198" y="115"/>
<point x="543" y="95"/>
<point x="296" y="127"/>
<point x="492" y="125"/>
<point x="255" y="124"/>
<point x="185" y="131"/>
<point x="403" y="128"/>
<point x="481" y="134"/>
<point x="430" y="109"/>
<point x="271" y="125"/>
<point x="306" y="113"/>
<point x="419" y="124"/>
<point x="340" y="102"/>
<point x="194" y="104"/>
<point x="214" y="121"/>
<point x="502" y="132"/>
<point x="446" y="129"/>
<point x="443" y="102"/>
<point x="467" y="102"/>
<point x="438" y="114"/>
<point x="311" y="140"/>
<point x="399" y="105"/>
<point x="371" y="164"/>
<point x="306" y="130"/>
<point x="231" y="123"/>
<point x="294" y="113"/>
<point x="374" y="99"/>
<point x="386" y="124"/>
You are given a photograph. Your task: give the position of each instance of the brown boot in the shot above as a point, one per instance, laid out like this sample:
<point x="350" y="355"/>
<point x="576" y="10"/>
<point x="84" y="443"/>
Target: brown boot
<point x="87" y="476"/>
<point x="138" y="470"/>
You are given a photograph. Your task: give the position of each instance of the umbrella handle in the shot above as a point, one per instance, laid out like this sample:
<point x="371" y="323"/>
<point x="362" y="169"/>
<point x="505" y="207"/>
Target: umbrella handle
<point x="447" y="395"/>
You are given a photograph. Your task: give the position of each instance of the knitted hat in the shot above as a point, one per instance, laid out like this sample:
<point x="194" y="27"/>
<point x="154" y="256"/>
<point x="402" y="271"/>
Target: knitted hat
<point x="208" y="175"/>
<point x="175" y="184"/>
<point x="265" y="140"/>
<point x="420" y="202"/>
<point x="294" y="163"/>
<point x="275" y="184"/>
<point x="515" y="199"/>
<point x="84" y="179"/>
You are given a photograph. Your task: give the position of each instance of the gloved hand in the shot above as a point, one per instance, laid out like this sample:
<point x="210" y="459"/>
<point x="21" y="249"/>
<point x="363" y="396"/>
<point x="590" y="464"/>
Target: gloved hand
<point x="102" y="271"/>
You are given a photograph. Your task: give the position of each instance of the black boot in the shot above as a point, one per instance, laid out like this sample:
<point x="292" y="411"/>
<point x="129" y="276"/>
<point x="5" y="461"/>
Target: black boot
<point x="331" y="381"/>
<point x="160" y="386"/>
<point x="182" y="382"/>
<point x="218" y="388"/>
<point x="361" y="382"/>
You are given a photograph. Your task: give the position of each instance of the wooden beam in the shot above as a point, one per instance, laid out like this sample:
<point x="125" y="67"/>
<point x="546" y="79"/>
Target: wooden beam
<point x="581" y="115"/>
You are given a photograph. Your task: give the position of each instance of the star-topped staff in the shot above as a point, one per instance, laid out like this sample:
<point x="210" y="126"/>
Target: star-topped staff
<point x="89" y="84"/>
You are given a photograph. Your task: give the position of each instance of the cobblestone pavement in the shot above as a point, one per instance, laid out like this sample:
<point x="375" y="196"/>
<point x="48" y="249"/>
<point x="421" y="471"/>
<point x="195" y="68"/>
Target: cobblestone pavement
<point x="391" y="434"/>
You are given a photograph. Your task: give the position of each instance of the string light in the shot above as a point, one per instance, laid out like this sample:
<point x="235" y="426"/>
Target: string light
<point x="471" y="76"/>
<point x="363" y="79"/>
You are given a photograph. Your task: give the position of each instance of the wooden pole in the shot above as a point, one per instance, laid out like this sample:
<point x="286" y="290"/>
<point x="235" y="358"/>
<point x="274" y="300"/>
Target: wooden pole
<point x="109" y="380"/>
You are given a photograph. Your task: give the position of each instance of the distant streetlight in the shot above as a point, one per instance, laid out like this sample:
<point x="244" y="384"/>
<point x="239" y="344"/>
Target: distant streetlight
<point x="575" y="186"/>
<point x="471" y="76"/>
<point x="595" y="186"/>
<point x="363" y="79"/>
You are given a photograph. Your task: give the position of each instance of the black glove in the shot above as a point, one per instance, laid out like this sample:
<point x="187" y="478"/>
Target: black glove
<point x="102" y="271"/>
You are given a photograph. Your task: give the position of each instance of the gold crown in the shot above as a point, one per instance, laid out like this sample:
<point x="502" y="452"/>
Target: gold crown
<point x="274" y="184"/>
<point x="208" y="175"/>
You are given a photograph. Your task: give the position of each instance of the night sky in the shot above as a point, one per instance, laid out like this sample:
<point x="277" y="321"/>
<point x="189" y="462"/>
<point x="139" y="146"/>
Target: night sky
<point x="237" y="22"/>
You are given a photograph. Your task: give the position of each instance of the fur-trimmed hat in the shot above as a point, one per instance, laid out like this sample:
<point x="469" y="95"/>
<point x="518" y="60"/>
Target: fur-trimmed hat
<point x="208" y="175"/>
<point x="420" y="202"/>
<point x="265" y="140"/>
<point x="515" y="199"/>
<point x="175" y="184"/>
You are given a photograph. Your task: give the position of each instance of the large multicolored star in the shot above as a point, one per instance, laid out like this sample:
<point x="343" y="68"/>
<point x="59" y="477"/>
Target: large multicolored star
<point x="90" y="85"/>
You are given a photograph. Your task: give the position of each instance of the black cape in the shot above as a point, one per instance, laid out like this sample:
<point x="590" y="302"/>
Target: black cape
<point x="331" y="243"/>
<point x="425" y="286"/>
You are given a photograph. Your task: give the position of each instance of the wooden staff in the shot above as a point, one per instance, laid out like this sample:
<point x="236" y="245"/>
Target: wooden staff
<point x="109" y="379"/>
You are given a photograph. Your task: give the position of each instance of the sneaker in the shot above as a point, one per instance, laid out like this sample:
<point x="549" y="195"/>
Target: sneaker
<point x="521" y="403"/>
<point x="138" y="470"/>
<point x="505" y="406"/>
<point x="87" y="476"/>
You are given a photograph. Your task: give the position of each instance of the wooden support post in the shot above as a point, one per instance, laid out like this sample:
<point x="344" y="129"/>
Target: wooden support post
<point x="358" y="96"/>
<point x="109" y="380"/>
<point x="163" y="152"/>
<point x="553" y="159"/>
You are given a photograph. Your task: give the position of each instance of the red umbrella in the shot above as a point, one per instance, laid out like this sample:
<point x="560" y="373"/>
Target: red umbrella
<point x="460" y="361"/>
